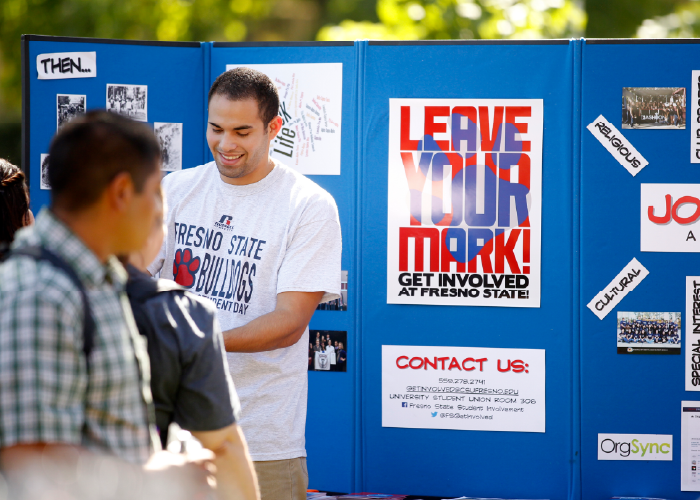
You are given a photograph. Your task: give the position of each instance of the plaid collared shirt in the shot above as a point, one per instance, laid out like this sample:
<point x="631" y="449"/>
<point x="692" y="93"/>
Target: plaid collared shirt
<point x="46" y="393"/>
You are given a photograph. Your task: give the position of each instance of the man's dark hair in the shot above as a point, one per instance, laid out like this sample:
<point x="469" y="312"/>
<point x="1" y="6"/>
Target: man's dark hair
<point x="91" y="150"/>
<point x="245" y="83"/>
<point x="14" y="201"/>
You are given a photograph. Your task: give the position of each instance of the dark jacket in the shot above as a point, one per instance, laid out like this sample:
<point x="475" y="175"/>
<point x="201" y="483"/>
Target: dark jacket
<point x="190" y="382"/>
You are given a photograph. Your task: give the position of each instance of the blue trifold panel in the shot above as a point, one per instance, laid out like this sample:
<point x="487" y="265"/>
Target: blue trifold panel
<point x="448" y="462"/>
<point x="630" y="394"/>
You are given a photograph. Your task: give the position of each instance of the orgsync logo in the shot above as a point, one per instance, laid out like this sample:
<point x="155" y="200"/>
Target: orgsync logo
<point x="635" y="447"/>
<point x="225" y="223"/>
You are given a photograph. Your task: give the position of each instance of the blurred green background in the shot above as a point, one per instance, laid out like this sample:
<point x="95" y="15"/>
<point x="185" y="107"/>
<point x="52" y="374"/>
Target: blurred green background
<point x="290" y="20"/>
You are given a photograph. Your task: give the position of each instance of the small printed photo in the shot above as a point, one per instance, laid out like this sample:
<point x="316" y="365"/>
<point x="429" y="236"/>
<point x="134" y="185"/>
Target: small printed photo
<point x="653" y="107"/>
<point x="45" y="172"/>
<point x="128" y="100"/>
<point x="328" y="351"/>
<point x="68" y="107"/>
<point x="170" y="138"/>
<point x="340" y="304"/>
<point x="648" y="332"/>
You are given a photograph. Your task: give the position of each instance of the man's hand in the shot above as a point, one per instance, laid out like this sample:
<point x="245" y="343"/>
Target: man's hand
<point x="280" y="328"/>
<point x="188" y="475"/>
<point x="54" y="470"/>
<point x="235" y="475"/>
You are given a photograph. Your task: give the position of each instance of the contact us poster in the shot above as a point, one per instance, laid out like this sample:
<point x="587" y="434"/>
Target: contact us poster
<point x="465" y="202"/>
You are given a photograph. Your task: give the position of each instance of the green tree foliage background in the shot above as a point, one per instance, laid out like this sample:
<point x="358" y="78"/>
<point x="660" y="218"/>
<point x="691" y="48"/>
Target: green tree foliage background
<point x="270" y="20"/>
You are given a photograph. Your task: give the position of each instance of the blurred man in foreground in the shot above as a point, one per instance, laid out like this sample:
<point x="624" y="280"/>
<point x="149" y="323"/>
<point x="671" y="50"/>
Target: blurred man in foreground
<point x="75" y="401"/>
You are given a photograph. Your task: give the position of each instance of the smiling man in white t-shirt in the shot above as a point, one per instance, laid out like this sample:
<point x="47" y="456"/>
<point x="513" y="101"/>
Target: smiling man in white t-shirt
<point x="263" y="242"/>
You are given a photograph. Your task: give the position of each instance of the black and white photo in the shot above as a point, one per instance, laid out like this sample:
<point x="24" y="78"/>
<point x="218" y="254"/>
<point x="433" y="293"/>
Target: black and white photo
<point x="328" y="351"/>
<point x="648" y="332"/>
<point x="45" y="172"/>
<point x="170" y="138"/>
<point x="128" y="100"/>
<point x="68" y="106"/>
<point x="653" y="107"/>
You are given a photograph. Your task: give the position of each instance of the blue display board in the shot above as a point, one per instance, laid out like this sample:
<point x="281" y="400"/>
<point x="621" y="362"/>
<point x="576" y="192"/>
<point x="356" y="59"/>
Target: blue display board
<point x="627" y="393"/>
<point x="166" y="68"/>
<point x="590" y="221"/>
<point x="473" y="463"/>
<point x="330" y="429"/>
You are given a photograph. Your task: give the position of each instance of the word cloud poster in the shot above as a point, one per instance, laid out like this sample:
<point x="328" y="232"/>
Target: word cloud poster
<point x="311" y="98"/>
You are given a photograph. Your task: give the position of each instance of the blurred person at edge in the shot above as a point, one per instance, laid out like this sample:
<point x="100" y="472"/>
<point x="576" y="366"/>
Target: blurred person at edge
<point x="73" y="425"/>
<point x="14" y="204"/>
<point x="190" y="379"/>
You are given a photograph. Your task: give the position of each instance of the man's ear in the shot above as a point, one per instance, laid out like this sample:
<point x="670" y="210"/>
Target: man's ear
<point x="275" y="126"/>
<point x="120" y="192"/>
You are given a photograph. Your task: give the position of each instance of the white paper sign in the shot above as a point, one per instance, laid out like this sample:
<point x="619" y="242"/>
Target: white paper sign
<point x="694" y="124"/>
<point x="690" y="445"/>
<point x="668" y="216"/>
<point x="617" y="145"/>
<point x="463" y="388"/>
<point x="464" y="202"/>
<point x="61" y="65"/>
<point x="311" y="105"/>
<point x="626" y="281"/>
<point x="635" y="447"/>
<point x="692" y="333"/>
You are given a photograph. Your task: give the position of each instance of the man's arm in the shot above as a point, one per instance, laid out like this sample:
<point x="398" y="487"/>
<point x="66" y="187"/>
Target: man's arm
<point x="235" y="476"/>
<point x="282" y="327"/>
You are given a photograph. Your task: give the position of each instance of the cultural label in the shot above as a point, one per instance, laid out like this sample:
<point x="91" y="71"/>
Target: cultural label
<point x="610" y="296"/>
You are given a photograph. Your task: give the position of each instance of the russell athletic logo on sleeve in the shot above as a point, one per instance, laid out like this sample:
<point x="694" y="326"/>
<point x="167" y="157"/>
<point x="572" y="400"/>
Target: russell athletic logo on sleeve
<point x="635" y="447"/>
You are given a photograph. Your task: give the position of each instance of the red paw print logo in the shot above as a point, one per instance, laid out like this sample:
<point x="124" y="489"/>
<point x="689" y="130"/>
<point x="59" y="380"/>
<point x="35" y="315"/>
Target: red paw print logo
<point x="185" y="267"/>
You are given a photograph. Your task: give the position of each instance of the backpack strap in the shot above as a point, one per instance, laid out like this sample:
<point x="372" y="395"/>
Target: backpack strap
<point x="40" y="253"/>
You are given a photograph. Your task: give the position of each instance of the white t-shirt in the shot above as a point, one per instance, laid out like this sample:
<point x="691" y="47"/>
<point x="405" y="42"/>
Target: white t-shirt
<point x="240" y="246"/>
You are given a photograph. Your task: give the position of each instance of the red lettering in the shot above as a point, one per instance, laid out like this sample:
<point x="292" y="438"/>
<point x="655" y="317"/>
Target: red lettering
<point x="664" y="219"/>
<point x="672" y="211"/>
<point x="488" y="141"/>
<point x="420" y="360"/>
<point x="454" y="364"/>
<point x="468" y="360"/>
<point x="399" y="359"/>
<point x="513" y="112"/>
<point x="432" y="128"/>
<point x="518" y="366"/>
<point x="481" y="362"/>
<point x="505" y="252"/>
<point x="506" y="369"/>
<point x="433" y="364"/>
<point x="442" y="360"/>
<point x="419" y="234"/>
<point x="681" y="201"/>
<point x="447" y="255"/>
<point x="406" y="143"/>
<point x="485" y="256"/>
